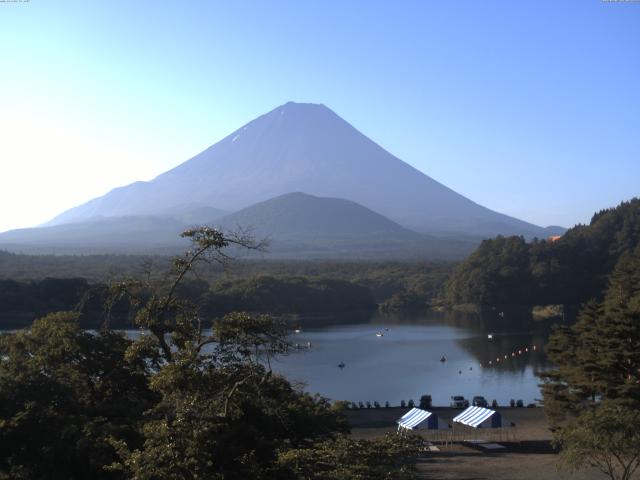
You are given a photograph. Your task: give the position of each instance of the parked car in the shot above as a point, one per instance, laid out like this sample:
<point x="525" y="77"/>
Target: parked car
<point x="458" y="401"/>
<point x="479" y="401"/>
<point x="425" y="402"/>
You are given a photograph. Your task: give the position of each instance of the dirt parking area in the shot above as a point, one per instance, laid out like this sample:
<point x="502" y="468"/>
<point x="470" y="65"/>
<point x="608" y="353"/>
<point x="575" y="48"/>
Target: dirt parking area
<point x="531" y="457"/>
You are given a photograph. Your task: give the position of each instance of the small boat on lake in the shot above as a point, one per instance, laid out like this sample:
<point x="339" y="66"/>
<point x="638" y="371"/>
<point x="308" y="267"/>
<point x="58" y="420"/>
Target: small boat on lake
<point x="379" y="334"/>
<point x="341" y="365"/>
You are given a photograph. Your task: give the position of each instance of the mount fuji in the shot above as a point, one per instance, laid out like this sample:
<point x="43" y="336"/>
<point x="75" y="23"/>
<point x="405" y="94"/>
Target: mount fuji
<point x="297" y="147"/>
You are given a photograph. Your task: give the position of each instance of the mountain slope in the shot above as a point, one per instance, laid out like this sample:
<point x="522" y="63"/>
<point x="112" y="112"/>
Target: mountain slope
<point x="298" y="215"/>
<point x="297" y="225"/>
<point x="301" y="225"/>
<point x="129" y="234"/>
<point x="305" y="148"/>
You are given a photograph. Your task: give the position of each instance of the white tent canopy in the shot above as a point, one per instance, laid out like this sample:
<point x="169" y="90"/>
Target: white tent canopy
<point x="418" y="418"/>
<point x="478" y="417"/>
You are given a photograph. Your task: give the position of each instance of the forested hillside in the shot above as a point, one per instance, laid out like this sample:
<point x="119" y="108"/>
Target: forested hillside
<point x="22" y="302"/>
<point x="32" y="285"/>
<point x="568" y="271"/>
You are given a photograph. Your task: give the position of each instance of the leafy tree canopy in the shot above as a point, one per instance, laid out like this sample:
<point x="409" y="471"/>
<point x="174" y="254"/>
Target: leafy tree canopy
<point x="178" y="402"/>
<point x="592" y="396"/>
<point x="569" y="271"/>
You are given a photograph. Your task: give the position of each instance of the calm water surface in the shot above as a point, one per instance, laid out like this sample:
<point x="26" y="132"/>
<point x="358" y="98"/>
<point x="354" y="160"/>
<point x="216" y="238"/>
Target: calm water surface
<point x="405" y="363"/>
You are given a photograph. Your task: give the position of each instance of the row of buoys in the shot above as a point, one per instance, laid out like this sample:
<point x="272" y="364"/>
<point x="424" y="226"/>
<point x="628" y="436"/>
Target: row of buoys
<point x="514" y="354"/>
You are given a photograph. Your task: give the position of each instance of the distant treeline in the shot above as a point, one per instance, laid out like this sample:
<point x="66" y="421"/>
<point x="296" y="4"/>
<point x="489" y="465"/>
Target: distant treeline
<point x="22" y="302"/>
<point x="505" y="271"/>
<point x="383" y="277"/>
<point x="94" y="268"/>
<point x="569" y="271"/>
<point x="36" y="285"/>
<point x="281" y="295"/>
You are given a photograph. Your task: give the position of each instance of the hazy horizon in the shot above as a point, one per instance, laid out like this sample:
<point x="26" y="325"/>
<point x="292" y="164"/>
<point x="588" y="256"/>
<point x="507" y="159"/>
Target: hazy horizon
<point x="533" y="112"/>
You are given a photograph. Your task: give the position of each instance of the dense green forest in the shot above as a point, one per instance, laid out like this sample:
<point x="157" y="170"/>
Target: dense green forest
<point x="177" y="403"/>
<point x="22" y="302"/>
<point x="34" y="285"/>
<point x="592" y="394"/>
<point x="279" y="295"/>
<point x="505" y="271"/>
<point x="569" y="271"/>
<point x="383" y="278"/>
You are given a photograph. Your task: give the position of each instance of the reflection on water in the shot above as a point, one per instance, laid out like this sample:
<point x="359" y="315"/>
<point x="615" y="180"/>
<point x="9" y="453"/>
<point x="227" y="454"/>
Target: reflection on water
<point x="405" y="363"/>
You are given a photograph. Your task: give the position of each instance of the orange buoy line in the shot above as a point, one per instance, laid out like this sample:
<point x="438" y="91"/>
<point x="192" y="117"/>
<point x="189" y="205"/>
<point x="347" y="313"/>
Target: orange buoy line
<point x="514" y="354"/>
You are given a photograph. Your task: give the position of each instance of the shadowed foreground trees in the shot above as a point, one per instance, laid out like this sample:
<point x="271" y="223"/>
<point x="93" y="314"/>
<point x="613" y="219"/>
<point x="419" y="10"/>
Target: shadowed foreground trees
<point x="592" y="397"/>
<point x="175" y="403"/>
<point x="64" y="394"/>
<point x="607" y="437"/>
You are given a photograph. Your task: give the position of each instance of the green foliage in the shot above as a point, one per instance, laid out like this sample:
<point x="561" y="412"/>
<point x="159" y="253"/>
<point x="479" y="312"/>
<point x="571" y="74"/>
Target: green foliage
<point x="224" y="424"/>
<point x="570" y="271"/>
<point x="597" y="358"/>
<point x="592" y="396"/>
<point x="281" y="288"/>
<point x="494" y="274"/>
<point x="606" y="437"/>
<point x="279" y="295"/>
<point x="624" y="282"/>
<point x="404" y="302"/>
<point x="94" y="268"/>
<point x="391" y="457"/>
<point x="176" y="403"/>
<point x="22" y="302"/>
<point x="63" y="393"/>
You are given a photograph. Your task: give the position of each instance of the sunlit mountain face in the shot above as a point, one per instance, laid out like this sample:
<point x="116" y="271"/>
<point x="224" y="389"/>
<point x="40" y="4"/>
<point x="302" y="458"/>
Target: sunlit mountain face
<point x="307" y="148"/>
<point x="299" y="175"/>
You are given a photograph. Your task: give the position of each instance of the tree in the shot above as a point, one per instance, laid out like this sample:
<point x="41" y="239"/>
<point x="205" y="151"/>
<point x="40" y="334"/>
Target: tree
<point x="63" y="393"/>
<point x="392" y="457"/>
<point x="606" y="437"/>
<point x="570" y="271"/>
<point x="179" y="402"/>
<point x="592" y="396"/>
<point x="624" y="282"/>
<point x="222" y="412"/>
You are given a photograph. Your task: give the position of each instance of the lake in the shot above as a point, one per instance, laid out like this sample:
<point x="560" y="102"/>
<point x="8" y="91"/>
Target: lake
<point x="405" y="362"/>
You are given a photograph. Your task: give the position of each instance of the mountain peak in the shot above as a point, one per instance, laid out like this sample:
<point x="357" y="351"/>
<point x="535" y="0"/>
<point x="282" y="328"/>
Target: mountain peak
<point x="305" y="147"/>
<point x="298" y="111"/>
<point x="304" y="105"/>
<point x="298" y="214"/>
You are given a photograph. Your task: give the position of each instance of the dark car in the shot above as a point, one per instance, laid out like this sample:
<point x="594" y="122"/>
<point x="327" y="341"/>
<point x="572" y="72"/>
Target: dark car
<point x="480" y="401"/>
<point x="458" y="401"/>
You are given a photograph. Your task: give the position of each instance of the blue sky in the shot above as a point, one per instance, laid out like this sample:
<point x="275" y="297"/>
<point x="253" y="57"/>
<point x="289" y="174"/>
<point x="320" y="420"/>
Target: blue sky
<point x="529" y="108"/>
